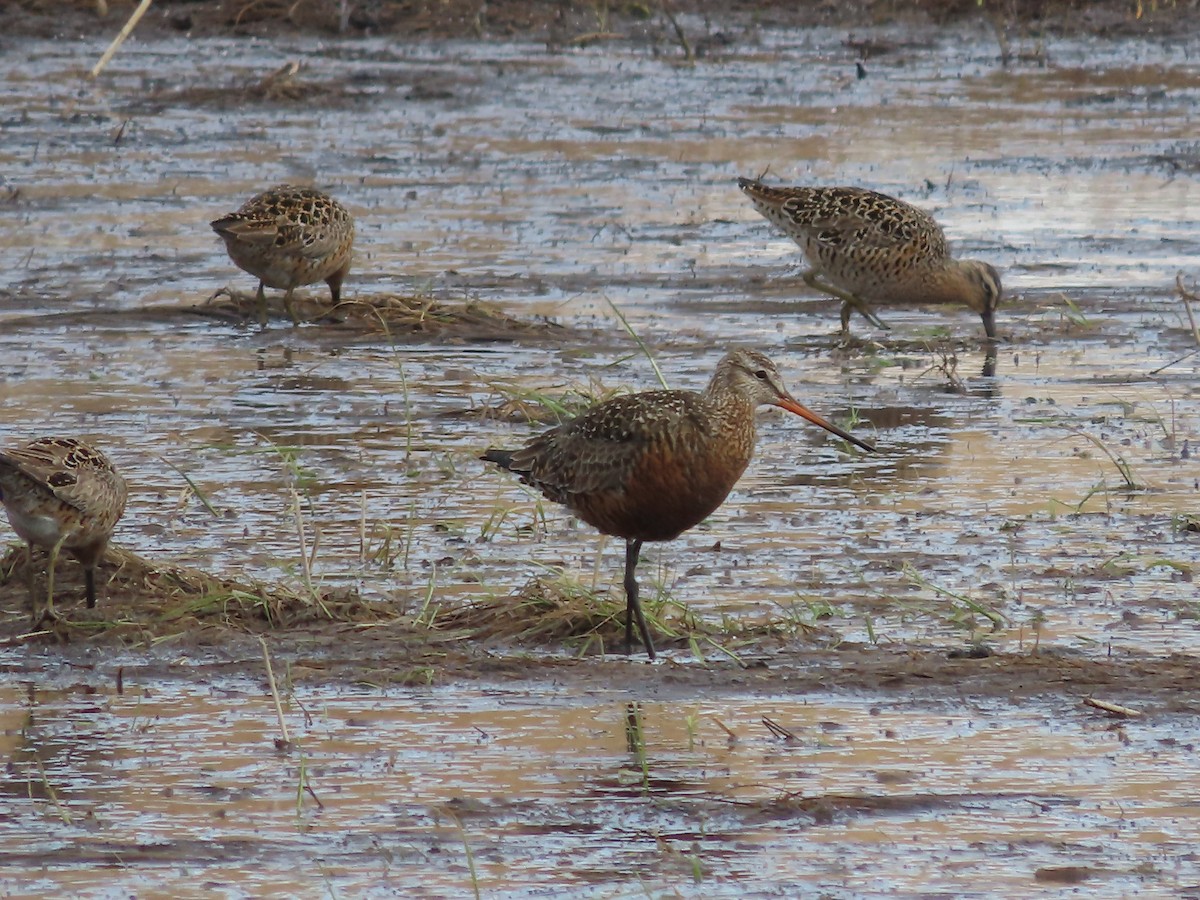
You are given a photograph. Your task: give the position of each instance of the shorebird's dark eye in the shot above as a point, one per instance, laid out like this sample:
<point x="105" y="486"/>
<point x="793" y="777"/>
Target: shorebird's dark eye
<point x="761" y="375"/>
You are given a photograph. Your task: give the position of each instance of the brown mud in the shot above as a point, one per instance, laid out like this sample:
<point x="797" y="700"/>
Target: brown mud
<point x="583" y="24"/>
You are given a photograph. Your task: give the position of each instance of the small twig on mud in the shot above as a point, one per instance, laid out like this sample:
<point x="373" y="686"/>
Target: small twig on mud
<point x="1122" y="464"/>
<point x="778" y="730"/>
<point x="733" y="738"/>
<point x="1187" y="297"/>
<point x="688" y="54"/>
<point x="120" y="38"/>
<point x="63" y="813"/>
<point x="25" y="638"/>
<point x="641" y="344"/>
<point x="462" y="833"/>
<point x="947" y="367"/>
<point x="199" y="494"/>
<point x="1174" y="362"/>
<point x="304" y="787"/>
<point x="586" y="40"/>
<point x="1113" y="708"/>
<point x="306" y="561"/>
<point x="635" y="740"/>
<point x="286" y="743"/>
<point x="996" y="618"/>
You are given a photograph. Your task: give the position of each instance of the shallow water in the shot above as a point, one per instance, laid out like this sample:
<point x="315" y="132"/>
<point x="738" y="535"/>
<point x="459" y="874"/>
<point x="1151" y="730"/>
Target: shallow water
<point x="556" y="184"/>
<point x="542" y="786"/>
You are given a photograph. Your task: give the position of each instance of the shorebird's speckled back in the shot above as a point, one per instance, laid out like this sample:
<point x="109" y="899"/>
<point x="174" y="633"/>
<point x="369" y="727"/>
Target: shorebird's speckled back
<point x="62" y="492"/>
<point x="649" y="466"/>
<point x="290" y="236"/>
<point x="879" y="249"/>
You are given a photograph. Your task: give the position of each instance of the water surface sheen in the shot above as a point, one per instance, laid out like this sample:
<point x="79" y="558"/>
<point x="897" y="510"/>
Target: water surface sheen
<point x="556" y="184"/>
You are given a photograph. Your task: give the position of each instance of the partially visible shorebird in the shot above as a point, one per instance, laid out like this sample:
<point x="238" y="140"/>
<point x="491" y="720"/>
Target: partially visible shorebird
<point x="62" y="494"/>
<point x="649" y="466"/>
<point x="868" y="248"/>
<point x="290" y="236"/>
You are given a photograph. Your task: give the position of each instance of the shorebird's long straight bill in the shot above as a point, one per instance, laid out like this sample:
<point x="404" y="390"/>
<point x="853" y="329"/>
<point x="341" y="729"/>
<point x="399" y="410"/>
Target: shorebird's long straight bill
<point x="792" y="406"/>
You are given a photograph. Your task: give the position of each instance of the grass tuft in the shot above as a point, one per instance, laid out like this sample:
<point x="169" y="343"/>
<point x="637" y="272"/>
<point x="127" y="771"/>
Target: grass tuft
<point x="154" y="602"/>
<point x="390" y="314"/>
<point x="558" y="608"/>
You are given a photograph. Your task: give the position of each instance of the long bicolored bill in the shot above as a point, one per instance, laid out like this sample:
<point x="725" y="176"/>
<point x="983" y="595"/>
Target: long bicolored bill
<point x="804" y="412"/>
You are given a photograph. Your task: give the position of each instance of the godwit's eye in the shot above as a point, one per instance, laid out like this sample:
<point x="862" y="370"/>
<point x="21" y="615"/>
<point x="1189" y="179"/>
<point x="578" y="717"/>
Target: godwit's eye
<point x="761" y="375"/>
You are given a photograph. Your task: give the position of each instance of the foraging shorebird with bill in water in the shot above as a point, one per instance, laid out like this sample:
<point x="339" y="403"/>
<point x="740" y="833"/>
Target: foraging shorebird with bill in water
<point x="287" y="237"/>
<point x="867" y="248"/>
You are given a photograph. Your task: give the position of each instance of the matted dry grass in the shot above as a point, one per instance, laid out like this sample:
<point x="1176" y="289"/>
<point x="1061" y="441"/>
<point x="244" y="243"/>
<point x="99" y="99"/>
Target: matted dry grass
<point x="394" y="315"/>
<point x="139" y="600"/>
<point x="558" y="612"/>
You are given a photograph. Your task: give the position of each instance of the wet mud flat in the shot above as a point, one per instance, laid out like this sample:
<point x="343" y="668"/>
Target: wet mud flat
<point x="875" y="668"/>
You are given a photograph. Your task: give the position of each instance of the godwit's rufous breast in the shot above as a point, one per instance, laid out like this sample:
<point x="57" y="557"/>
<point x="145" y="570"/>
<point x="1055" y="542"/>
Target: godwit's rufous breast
<point x="868" y="248"/>
<point x="649" y="466"/>
<point x="290" y="236"/>
<point x="62" y="494"/>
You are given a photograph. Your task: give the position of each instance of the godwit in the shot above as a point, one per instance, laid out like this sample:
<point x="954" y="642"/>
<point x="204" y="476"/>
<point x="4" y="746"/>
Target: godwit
<point x="289" y="236"/>
<point x="649" y="466"/>
<point x="61" y="494"/>
<point x="867" y="248"/>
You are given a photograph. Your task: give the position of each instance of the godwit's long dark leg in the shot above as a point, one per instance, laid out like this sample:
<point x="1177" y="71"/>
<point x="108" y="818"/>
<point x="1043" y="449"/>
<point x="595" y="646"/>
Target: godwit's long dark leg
<point x="633" y="607"/>
<point x="89" y="580"/>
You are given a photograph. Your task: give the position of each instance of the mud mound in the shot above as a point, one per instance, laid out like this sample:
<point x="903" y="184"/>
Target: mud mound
<point x="394" y="315"/>
<point x="555" y="611"/>
<point x="143" y="601"/>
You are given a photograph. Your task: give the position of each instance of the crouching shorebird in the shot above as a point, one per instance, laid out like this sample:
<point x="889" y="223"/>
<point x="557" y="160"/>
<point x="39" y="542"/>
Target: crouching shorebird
<point x="868" y="248"/>
<point x="61" y="494"/>
<point x="290" y="236"/>
<point x="649" y="466"/>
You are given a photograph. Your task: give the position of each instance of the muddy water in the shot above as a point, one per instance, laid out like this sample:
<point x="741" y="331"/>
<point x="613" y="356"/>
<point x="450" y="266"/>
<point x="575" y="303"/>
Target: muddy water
<point x="538" y="789"/>
<point x="556" y="183"/>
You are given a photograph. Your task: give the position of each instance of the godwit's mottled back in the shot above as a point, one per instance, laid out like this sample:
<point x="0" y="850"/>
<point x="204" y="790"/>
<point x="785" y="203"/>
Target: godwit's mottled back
<point x="649" y="466"/>
<point x="290" y="236"/>
<point x="62" y="494"/>
<point x="868" y="248"/>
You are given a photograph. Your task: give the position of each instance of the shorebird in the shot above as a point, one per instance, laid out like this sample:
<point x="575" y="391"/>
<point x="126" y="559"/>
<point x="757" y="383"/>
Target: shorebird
<point x="649" y="466"/>
<point x="62" y="494"/>
<point x="868" y="248"/>
<point x="289" y="236"/>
